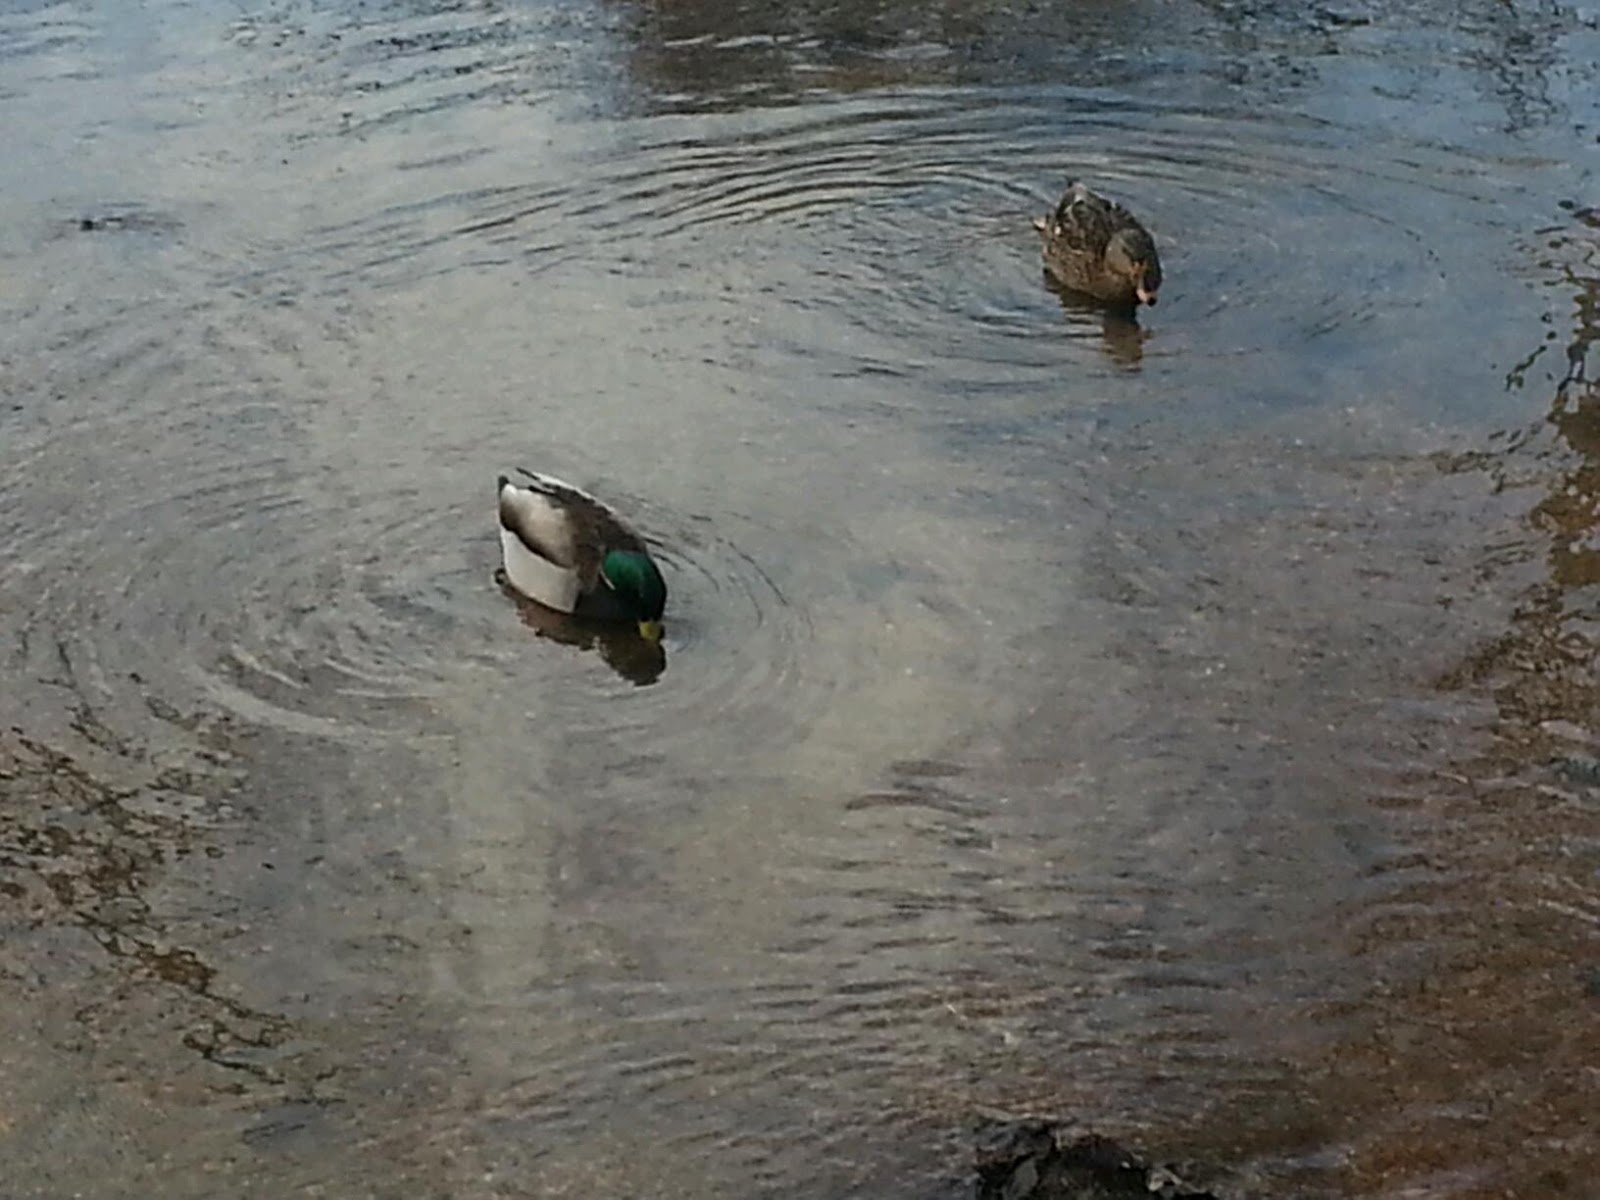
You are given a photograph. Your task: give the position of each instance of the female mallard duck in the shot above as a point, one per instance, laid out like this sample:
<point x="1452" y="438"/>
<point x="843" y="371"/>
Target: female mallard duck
<point x="1096" y="246"/>
<point x="570" y="552"/>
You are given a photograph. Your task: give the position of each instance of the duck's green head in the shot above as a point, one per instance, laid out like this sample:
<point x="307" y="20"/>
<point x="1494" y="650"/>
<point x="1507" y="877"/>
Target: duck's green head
<point x="637" y="584"/>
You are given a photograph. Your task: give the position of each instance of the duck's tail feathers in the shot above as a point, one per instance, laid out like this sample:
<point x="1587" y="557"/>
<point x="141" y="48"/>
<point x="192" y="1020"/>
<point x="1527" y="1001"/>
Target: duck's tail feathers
<point x="559" y="490"/>
<point x="547" y="485"/>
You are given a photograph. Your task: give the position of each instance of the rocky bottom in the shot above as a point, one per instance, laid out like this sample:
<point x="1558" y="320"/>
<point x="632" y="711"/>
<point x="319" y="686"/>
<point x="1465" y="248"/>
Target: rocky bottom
<point x="1031" y="1160"/>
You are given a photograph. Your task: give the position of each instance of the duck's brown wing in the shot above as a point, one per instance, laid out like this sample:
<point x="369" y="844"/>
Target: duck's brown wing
<point x="595" y="532"/>
<point x="1084" y="221"/>
<point x="592" y="528"/>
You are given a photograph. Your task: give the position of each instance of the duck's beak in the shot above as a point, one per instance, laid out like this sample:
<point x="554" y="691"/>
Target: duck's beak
<point x="650" y="631"/>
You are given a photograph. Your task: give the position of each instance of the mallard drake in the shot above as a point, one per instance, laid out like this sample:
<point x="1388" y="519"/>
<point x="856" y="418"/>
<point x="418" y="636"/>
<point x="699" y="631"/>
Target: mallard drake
<point x="572" y="553"/>
<point x="1096" y="246"/>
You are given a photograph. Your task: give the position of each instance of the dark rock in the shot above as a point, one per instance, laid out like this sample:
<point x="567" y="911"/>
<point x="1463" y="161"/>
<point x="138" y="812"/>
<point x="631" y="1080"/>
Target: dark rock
<point x="1584" y="772"/>
<point x="1000" y="1145"/>
<point x="1022" y="1160"/>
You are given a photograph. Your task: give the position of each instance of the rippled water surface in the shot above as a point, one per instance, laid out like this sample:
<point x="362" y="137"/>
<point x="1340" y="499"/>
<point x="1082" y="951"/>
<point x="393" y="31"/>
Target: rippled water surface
<point x="1190" y="727"/>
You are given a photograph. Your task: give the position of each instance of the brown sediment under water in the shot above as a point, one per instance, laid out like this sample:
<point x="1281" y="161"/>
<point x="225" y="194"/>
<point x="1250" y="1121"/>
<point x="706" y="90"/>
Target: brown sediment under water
<point x="1188" y="727"/>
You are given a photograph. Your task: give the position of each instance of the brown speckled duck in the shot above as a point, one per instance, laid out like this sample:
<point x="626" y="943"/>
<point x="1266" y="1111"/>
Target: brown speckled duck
<point x="1096" y="246"/>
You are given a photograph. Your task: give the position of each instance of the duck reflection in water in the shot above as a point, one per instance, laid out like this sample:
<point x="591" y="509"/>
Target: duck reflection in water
<point x="637" y="659"/>
<point x="1122" y="335"/>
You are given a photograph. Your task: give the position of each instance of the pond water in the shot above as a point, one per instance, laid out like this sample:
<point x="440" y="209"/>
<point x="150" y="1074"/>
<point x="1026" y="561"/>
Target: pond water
<point x="1188" y="727"/>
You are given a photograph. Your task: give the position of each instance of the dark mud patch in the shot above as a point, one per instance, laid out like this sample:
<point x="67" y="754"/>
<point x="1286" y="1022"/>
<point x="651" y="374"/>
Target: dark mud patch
<point x="85" y="863"/>
<point x="132" y="219"/>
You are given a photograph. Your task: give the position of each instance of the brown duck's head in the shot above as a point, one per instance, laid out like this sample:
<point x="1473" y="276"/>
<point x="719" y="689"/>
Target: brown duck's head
<point x="1131" y="253"/>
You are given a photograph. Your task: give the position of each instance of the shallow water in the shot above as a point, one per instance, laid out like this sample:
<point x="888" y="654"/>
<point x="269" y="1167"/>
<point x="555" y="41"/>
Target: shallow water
<point x="1189" y="726"/>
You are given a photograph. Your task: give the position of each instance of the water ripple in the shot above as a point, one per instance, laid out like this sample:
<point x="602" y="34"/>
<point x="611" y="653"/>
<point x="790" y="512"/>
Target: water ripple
<point x="1018" y="715"/>
<point x="917" y="210"/>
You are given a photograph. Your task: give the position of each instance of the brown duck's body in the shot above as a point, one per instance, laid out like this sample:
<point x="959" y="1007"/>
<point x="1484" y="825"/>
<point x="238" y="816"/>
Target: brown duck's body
<point x="1095" y="246"/>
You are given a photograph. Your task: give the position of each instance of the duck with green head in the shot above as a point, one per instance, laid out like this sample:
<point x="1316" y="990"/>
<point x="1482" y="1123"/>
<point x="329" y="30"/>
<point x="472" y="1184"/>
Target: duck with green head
<point x="570" y="552"/>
